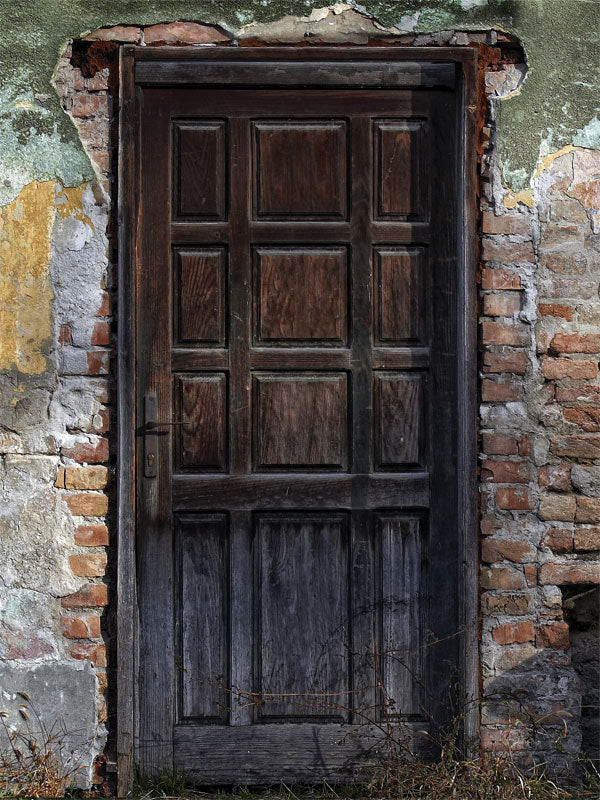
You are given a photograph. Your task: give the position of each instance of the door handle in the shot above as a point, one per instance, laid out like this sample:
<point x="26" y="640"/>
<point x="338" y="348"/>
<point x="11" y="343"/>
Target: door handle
<point x="150" y="426"/>
<point x="151" y="434"/>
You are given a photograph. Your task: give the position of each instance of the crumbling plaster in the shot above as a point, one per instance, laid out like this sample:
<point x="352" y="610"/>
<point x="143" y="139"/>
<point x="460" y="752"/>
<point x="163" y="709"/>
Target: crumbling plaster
<point x="557" y="107"/>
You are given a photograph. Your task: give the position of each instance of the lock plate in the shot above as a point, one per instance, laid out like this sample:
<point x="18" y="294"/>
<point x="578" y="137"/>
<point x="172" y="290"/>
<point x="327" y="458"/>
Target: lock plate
<point x="150" y="437"/>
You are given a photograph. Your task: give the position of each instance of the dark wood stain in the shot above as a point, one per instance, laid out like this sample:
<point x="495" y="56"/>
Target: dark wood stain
<point x="301" y="295"/>
<point x="301" y="421"/>
<point x="200" y="168"/>
<point x="308" y="336"/>
<point x="203" y="410"/>
<point x="301" y="169"/>
<point x="200" y="290"/>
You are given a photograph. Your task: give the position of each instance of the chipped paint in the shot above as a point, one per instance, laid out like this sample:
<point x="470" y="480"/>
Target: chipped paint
<point x="546" y="161"/>
<point x="69" y="202"/>
<point x="25" y="293"/>
<point x="556" y="107"/>
<point x="525" y="196"/>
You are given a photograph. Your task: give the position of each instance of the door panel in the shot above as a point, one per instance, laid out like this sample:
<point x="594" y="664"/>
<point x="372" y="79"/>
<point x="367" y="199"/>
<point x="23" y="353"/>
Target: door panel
<point x="296" y="550"/>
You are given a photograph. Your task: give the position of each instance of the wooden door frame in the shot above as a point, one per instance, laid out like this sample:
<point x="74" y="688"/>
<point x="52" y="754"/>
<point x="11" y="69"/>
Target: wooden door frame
<point x="465" y="60"/>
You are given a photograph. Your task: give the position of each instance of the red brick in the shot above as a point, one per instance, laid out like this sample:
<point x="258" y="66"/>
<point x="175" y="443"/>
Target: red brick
<point x="101" y="334"/>
<point x="584" y="393"/>
<point x="559" y="368"/>
<point x="569" y="572"/>
<point x="556" y="310"/>
<point x="525" y="445"/>
<point x="575" y="343"/>
<point x="559" y="540"/>
<point x="102" y="160"/>
<point x="501" y="305"/>
<point x="580" y="447"/>
<point x="87" y="627"/>
<point x="563" y="263"/>
<point x="92" y="565"/>
<point x="559" y="507"/>
<point x="553" y="637"/>
<point x="89" y="105"/>
<point x="94" y="453"/>
<point x="514" y="633"/>
<point x="91" y="536"/>
<point x="498" y="392"/>
<point x="509" y="333"/>
<point x="64" y="335"/>
<point x="490" y="524"/>
<point x="512" y="657"/>
<point x="502" y="578"/>
<point x="118" y="33"/>
<point x="85" y="477"/>
<point x="588" y="509"/>
<point x="505" y="471"/>
<point x="512" y="604"/>
<point x="587" y="418"/>
<point x="102" y="679"/>
<point x="91" y="595"/>
<point x="515" y="362"/>
<point x="500" y="279"/>
<point x="503" y="250"/>
<point x="557" y="477"/>
<point x="98" y="362"/>
<point x="494" y="444"/>
<point x="513" y="499"/>
<point x="587" y="539"/>
<point x="495" y="550"/>
<point x="530" y="571"/>
<point x="96" y="653"/>
<point x="517" y="224"/>
<point x="104" y="308"/>
<point x="183" y="32"/>
<point x="87" y="504"/>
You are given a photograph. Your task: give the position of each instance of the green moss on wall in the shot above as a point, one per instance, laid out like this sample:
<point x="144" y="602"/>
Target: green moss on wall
<point x="558" y="103"/>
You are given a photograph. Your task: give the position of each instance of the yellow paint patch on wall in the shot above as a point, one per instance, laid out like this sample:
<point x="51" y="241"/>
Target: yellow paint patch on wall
<point x="69" y="203"/>
<point x="547" y="160"/>
<point x="525" y="196"/>
<point x="25" y="293"/>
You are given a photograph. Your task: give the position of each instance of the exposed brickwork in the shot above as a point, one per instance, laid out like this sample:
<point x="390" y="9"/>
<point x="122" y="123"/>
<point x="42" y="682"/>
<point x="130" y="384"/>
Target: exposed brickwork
<point x="540" y="420"/>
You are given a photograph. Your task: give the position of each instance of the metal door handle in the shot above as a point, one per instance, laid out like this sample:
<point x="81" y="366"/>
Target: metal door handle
<point x="151" y="424"/>
<point x="151" y="434"/>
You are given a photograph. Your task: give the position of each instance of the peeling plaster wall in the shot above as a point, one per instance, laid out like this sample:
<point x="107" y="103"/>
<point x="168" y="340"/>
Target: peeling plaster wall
<point x="558" y="105"/>
<point x="541" y="265"/>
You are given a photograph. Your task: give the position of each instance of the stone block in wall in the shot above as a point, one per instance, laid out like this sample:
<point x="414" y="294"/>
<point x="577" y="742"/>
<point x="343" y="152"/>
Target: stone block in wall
<point x="63" y="695"/>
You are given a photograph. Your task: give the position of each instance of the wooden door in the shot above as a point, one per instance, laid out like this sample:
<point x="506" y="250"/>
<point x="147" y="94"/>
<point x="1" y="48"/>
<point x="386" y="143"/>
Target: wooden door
<point x="297" y="360"/>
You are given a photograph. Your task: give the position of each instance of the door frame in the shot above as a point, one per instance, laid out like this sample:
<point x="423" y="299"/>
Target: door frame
<point x="465" y="60"/>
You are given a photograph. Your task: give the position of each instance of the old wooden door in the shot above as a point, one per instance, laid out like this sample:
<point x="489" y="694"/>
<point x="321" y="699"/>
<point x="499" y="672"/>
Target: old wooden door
<point x="297" y="403"/>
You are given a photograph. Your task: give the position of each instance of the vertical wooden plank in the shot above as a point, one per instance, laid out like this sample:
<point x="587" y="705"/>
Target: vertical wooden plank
<point x="466" y="112"/>
<point x="442" y="573"/>
<point x="239" y="297"/>
<point x="363" y="597"/>
<point x="401" y="589"/>
<point x="362" y="327"/>
<point x="156" y="684"/>
<point x="240" y="626"/>
<point x="202" y="617"/>
<point x="126" y="577"/>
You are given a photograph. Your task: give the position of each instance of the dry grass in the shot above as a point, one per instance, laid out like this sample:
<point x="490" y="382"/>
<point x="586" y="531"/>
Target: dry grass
<point x="29" y="765"/>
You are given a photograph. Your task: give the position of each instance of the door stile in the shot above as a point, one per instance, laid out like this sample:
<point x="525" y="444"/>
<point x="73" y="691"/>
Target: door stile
<point x="363" y="611"/>
<point x="240" y="522"/>
<point x="155" y="535"/>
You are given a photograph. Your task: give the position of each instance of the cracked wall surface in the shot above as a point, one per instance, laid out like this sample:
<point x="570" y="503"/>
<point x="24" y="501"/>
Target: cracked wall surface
<point x="539" y="170"/>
